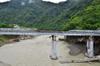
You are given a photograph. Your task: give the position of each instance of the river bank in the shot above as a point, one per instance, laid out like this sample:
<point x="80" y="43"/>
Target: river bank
<point x="12" y="39"/>
<point x="36" y="52"/>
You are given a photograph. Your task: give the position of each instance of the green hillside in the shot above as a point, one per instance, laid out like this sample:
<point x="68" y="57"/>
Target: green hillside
<point x="39" y="14"/>
<point x="88" y="18"/>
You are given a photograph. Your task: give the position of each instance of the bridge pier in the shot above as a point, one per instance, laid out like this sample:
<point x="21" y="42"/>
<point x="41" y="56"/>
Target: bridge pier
<point x="53" y="55"/>
<point x="90" y="47"/>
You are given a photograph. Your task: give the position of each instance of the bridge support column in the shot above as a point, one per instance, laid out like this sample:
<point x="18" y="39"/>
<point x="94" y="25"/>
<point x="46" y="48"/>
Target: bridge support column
<point x="65" y="37"/>
<point x="53" y="55"/>
<point x="90" y="47"/>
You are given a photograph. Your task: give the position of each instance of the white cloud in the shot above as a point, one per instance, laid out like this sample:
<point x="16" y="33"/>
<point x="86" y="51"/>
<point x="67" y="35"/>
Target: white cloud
<point x="55" y="1"/>
<point x="2" y="1"/>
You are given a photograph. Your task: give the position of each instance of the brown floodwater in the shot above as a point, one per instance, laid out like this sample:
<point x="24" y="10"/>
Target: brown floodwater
<point x="36" y="52"/>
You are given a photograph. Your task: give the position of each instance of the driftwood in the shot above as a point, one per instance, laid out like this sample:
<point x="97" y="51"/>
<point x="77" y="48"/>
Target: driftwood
<point x="87" y="60"/>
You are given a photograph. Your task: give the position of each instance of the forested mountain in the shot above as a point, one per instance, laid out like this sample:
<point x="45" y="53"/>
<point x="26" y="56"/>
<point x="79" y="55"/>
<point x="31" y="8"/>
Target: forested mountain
<point x="39" y="14"/>
<point x="88" y="18"/>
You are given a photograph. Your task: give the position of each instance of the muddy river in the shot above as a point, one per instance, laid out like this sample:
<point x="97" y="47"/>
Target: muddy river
<point x="36" y="52"/>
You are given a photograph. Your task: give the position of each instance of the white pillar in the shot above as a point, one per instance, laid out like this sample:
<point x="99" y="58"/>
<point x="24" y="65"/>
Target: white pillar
<point x="90" y="47"/>
<point x="53" y="55"/>
<point x="65" y="37"/>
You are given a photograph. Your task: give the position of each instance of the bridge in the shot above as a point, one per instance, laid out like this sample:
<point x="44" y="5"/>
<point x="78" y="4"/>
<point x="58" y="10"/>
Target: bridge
<point x="17" y="31"/>
<point x="89" y="33"/>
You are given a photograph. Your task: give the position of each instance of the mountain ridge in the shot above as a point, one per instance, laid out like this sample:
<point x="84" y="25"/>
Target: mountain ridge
<point x="39" y="14"/>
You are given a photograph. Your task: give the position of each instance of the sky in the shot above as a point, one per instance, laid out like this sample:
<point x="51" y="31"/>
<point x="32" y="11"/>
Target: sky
<point x="1" y="1"/>
<point x="55" y="1"/>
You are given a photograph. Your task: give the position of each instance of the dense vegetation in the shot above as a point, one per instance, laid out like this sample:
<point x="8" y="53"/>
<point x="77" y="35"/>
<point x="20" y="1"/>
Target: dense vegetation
<point x="88" y="18"/>
<point x="73" y="14"/>
<point x="39" y="14"/>
<point x="2" y="25"/>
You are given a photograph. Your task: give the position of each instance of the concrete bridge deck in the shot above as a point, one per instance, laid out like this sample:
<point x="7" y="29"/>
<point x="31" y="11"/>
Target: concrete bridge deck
<point x="15" y="31"/>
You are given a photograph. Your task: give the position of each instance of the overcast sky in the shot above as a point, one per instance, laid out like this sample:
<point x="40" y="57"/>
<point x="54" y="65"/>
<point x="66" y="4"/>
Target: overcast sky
<point x="1" y="1"/>
<point x="54" y="1"/>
